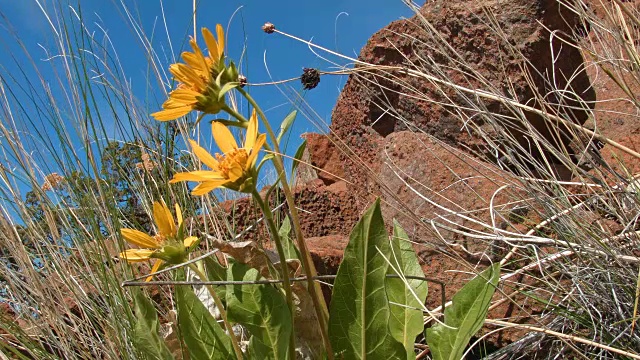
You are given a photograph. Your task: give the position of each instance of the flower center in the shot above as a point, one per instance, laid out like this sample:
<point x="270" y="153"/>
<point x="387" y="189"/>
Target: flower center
<point x="160" y="239"/>
<point x="234" y="159"/>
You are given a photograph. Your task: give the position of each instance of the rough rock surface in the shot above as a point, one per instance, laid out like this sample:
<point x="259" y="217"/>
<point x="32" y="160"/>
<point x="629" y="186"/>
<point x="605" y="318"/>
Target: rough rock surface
<point x="360" y="118"/>
<point x="324" y="210"/>
<point x="324" y="158"/>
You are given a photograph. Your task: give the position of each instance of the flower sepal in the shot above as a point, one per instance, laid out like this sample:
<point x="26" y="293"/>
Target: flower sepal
<point x="171" y="254"/>
<point x="227" y="80"/>
<point x="244" y="185"/>
<point x="210" y="103"/>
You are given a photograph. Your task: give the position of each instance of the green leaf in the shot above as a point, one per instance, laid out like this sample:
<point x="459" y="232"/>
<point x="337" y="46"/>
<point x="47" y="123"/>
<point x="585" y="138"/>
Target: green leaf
<point x="202" y="334"/>
<point x="286" y="124"/>
<point x="262" y="310"/>
<point x="290" y="250"/>
<point x="216" y="272"/>
<point x="145" y="331"/>
<point x="359" y="316"/>
<point x="405" y="322"/>
<point x="226" y="88"/>
<point x="264" y="161"/>
<point x="464" y="317"/>
<point x="298" y="156"/>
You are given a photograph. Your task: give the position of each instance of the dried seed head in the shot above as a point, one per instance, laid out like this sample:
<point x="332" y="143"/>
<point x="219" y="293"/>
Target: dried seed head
<point x="310" y="78"/>
<point x="52" y="181"/>
<point x="268" y="27"/>
<point x="242" y="80"/>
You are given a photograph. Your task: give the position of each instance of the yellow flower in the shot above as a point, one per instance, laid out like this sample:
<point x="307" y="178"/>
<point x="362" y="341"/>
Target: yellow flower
<point x="196" y="77"/>
<point x="165" y="246"/>
<point x="235" y="168"/>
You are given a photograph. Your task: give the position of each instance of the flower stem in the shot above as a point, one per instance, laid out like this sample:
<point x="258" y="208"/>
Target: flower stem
<point x="284" y="269"/>
<point x="235" y="114"/>
<point x="223" y="313"/>
<point x="228" y="123"/>
<point x="319" y="304"/>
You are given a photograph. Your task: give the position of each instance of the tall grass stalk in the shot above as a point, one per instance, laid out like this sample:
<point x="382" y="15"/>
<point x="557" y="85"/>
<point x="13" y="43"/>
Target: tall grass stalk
<point x="79" y="159"/>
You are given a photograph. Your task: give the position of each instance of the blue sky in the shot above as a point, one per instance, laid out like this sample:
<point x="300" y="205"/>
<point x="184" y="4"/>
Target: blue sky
<point x="342" y="26"/>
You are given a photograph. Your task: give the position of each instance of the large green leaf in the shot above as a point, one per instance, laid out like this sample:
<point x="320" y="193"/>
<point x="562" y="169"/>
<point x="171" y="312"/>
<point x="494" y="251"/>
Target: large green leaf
<point x="405" y="322"/>
<point x="464" y="317"/>
<point x="145" y="331"/>
<point x="202" y="334"/>
<point x="359" y="316"/>
<point x="262" y="309"/>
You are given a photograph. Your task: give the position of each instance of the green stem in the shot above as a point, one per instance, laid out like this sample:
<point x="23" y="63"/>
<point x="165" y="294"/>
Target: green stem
<point x="223" y="312"/>
<point x="200" y="118"/>
<point x="228" y="123"/>
<point x="235" y="114"/>
<point x="284" y="269"/>
<point x="319" y="304"/>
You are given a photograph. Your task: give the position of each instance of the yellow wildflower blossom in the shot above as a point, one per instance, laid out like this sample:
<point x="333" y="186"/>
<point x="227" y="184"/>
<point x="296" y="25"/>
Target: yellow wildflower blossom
<point x="235" y="168"/>
<point x="165" y="246"/>
<point x="196" y="77"/>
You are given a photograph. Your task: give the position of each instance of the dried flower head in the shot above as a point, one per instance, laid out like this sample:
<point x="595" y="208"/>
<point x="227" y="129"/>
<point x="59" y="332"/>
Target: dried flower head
<point x="310" y="78"/>
<point x="146" y="164"/>
<point x="52" y="181"/>
<point x="268" y="27"/>
<point x="242" y="80"/>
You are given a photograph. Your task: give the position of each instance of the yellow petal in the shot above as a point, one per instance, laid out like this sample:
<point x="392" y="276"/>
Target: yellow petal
<point x="212" y="44"/>
<point x="194" y="63"/>
<point x="223" y="137"/>
<point x="204" y="155"/>
<point x="252" y="131"/>
<point x="172" y="114"/>
<point x="207" y="186"/>
<point x="136" y="255"/>
<point x="178" y="214"/>
<point x="172" y="103"/>
<point x="220" y="32"/>
<point x="164" y="219"/>
<point x="235" y="172"/>
<point x="185" y="96"/>
<point x="186" y="75"/>
<point x="139" y="238"/>
<point x="251" y="160"/>
<point x="199" y="59"/>
<point x="198" y="175"/>
<point x="190" y="241"/>
<point x="154" y="269"/>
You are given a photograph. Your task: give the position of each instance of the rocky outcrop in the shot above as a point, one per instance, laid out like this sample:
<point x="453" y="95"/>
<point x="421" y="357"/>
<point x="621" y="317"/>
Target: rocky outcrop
<point x="374" y="104"/>
<point x="400" y="137"/>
